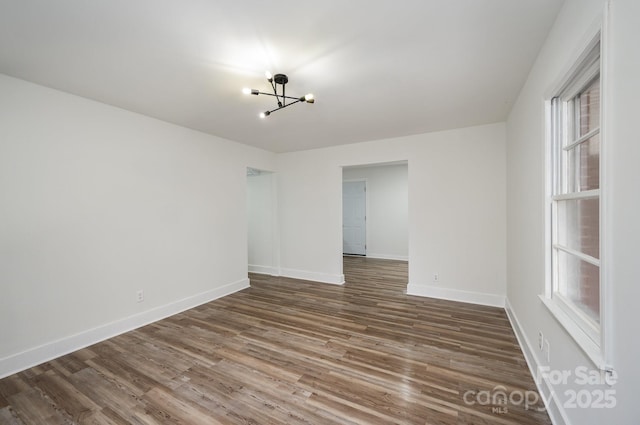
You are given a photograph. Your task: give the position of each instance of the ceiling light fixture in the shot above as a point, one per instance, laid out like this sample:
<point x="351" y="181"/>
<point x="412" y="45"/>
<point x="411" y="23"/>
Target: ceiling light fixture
<point x="275" y="81"/>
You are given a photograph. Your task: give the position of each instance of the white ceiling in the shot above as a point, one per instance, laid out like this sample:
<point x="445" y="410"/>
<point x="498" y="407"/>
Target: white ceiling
<point x="378" y="68"/>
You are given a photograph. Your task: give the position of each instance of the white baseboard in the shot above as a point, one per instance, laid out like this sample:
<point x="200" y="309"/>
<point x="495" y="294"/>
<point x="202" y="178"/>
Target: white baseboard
<point x="336" y="279"/>
<point x="51" y="350"/>
<point x="273" y="271"/>
<point x="388" y="257"/>
<point x="554" y="408"/>
<point x="492" y="300"/>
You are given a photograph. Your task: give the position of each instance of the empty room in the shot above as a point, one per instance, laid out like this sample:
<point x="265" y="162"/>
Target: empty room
<point x="296" y="212"/>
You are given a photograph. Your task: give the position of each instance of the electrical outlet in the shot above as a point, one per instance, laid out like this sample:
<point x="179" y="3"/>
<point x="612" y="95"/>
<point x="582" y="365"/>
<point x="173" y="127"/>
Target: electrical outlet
<point x="548" y="350"/>
<point x="435" y="277"/>
<point x="140" y="296"/>
<point x="540" y="340"/>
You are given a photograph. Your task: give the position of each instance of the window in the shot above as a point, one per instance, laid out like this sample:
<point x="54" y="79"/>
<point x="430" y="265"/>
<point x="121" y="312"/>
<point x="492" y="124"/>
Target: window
<point x="575" y="189"/>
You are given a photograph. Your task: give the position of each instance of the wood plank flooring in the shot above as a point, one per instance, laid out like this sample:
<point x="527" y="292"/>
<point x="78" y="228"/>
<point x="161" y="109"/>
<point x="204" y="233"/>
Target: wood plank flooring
<point x="294" y="352"/>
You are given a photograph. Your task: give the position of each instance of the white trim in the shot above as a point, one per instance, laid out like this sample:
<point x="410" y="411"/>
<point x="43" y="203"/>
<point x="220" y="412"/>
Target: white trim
<point x="575" y="60"/>
<point x="590" y="67"/>
<point x="493" y="300"/>
<point x="606" y="168"/>
<point x="584" y="257"/>
<point x="389" y="257"/>
<point x="582" y="339"/>
<point x="270" y="270"/>
<point x="587" y="194"/>
<point x="582" y="139"/>
<point x="579" y="317"/>
<point x="550" y="185"/>
<point x="54" y="349"/>
<point x="335" y="279"/>
<point x="554" y="407"/>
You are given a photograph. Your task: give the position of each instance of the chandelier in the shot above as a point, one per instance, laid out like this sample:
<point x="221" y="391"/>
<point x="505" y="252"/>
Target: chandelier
<point x="279" y="81"/>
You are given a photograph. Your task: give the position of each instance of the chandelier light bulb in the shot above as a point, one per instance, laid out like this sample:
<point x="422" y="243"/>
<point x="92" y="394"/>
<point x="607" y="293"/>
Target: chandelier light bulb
<point x="309" y="98"/>
<point x="268" y="75"/>
<point x="246" y="90"/>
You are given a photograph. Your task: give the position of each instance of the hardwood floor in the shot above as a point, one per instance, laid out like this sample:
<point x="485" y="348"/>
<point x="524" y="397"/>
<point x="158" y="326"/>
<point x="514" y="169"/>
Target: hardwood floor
<point x="291" y="351"/>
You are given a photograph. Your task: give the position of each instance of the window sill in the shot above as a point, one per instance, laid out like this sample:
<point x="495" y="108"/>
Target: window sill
<point x="586" y="344"/>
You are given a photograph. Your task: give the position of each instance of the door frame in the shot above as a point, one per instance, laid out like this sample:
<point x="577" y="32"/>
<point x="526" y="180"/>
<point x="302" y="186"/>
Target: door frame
<point x="273" y="268"/>
<point x="401" y="159"/>
<point x="366" y="212"/>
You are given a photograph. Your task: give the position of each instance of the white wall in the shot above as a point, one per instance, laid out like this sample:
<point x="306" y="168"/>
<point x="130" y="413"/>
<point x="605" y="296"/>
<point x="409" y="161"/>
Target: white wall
<point x="457" y="210"/>
<point x="526" y="231"/>
<point x="97" y="203"/>
<point x="262" y="214"/>
<point x="387" y="225"/>
<point x="625" y="205"/>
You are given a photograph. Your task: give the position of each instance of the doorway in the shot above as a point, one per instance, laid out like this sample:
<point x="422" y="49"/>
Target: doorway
<point x="262" y="224"/>
<point x="376" y="197"/>
<point x="354" y="226"/>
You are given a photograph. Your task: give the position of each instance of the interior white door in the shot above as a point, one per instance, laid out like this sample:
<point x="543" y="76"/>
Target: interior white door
<point x="354" y="228"/>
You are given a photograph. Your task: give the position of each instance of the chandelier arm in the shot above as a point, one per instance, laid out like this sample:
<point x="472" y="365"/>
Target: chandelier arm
<point x="271" y="94"/>
<point x="288" y="104"/>
<point x="275" y="92"/>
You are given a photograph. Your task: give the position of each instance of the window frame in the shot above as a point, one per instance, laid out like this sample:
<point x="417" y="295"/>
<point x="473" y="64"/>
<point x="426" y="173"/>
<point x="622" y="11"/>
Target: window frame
<point x="590" y="337"/>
